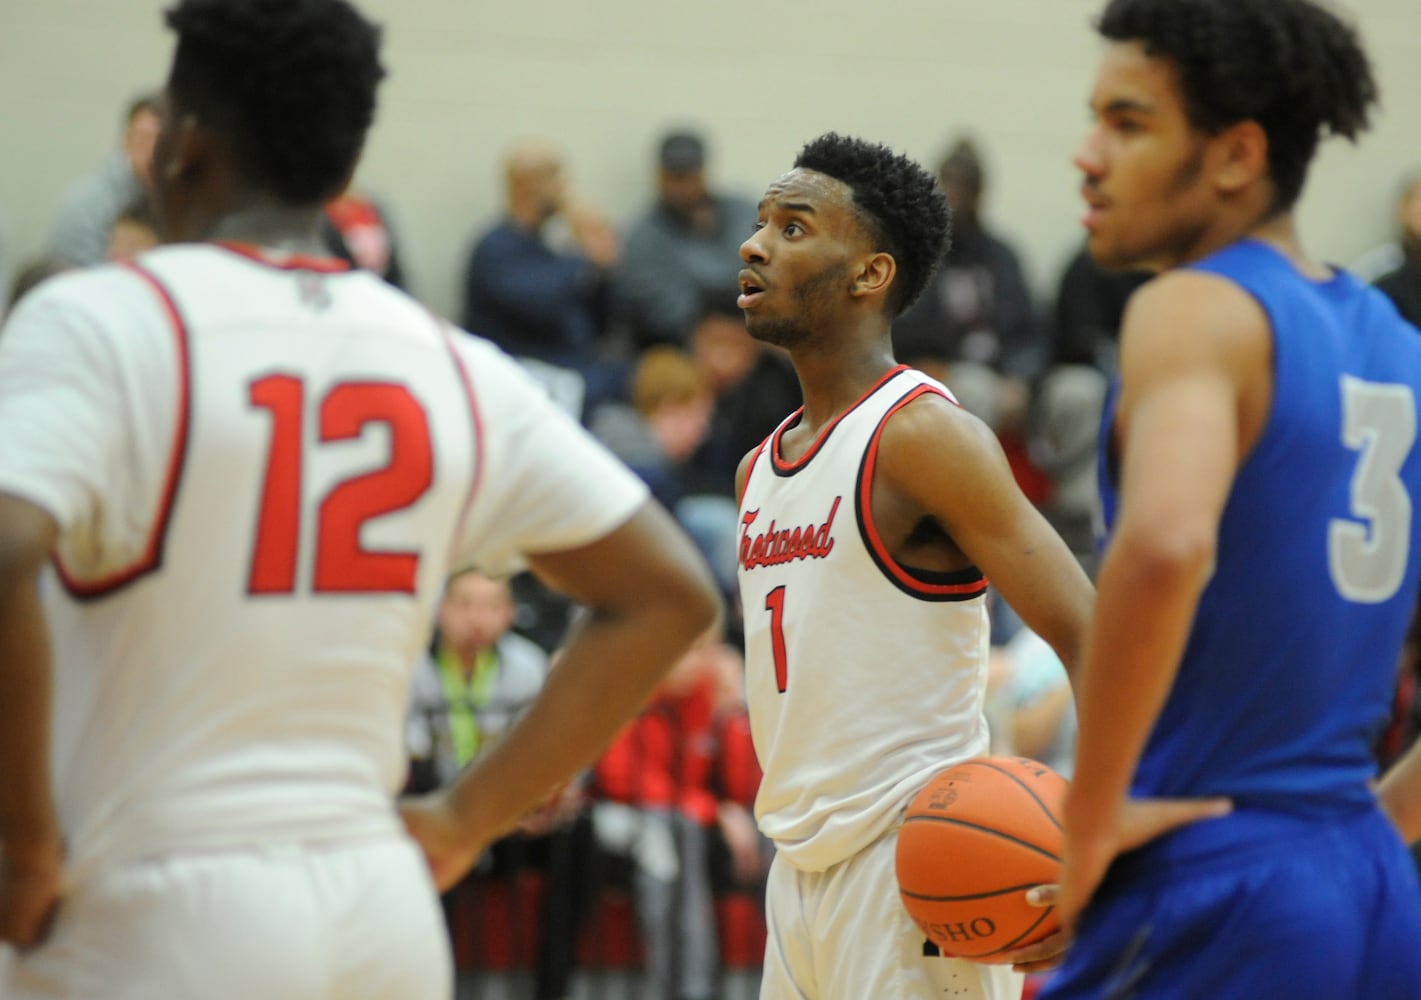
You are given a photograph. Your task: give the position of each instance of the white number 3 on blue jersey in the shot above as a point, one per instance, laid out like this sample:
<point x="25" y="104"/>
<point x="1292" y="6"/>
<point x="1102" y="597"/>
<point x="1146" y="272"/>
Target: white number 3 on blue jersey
<point x="1367" y="556"/>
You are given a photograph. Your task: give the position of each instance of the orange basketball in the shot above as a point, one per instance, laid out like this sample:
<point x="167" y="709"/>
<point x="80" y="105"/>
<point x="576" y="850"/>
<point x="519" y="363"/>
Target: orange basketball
<point x="973" y="841"/>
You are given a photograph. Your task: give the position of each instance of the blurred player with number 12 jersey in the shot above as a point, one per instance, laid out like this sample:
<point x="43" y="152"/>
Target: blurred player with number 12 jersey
<point x="251" y="471"/>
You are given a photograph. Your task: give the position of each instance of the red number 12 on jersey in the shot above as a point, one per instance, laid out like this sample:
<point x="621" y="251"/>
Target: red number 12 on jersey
<point x="341" y="564"/>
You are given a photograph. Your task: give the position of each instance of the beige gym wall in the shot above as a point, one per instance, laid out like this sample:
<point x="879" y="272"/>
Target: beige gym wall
<point x="604" y="79"/>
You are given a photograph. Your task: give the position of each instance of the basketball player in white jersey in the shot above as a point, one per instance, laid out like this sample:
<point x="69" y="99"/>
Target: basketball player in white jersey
<point x="232" y="479"/>
<point x="871" y="522"/>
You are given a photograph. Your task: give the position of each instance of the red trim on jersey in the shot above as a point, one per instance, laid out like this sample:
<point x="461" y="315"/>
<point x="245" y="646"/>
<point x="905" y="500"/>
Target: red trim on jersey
<point x="474" y="480"/>
<point x="776" y="459"/>
<point x="903" y="577"/>
<point x="284" y="261"/>
<point x="152" y="557"/>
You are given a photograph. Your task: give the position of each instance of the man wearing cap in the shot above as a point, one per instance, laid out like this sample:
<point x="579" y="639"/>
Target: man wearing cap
<point x="684" y="251"/>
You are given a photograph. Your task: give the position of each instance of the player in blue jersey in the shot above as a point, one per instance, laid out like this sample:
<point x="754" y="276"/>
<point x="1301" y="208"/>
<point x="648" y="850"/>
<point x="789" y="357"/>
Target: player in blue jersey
<point x="1260" y="479"/>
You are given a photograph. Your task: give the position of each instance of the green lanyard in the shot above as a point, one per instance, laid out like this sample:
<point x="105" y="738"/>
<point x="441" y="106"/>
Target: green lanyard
<point x="463" y="698"/>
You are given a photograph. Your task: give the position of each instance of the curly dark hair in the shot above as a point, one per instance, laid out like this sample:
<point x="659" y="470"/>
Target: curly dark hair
<point x="900" y="203"/>
<point x="1290" y="65"/>
<point x="289" y="83"/>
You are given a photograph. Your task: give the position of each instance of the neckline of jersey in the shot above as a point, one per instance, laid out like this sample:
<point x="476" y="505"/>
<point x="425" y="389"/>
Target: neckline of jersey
<point x="283" y="260"/>
<point x="776" y="453"/>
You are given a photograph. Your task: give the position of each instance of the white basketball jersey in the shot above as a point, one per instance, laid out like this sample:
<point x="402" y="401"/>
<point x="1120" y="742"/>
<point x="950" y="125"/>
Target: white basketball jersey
<point x="263" y="471"/>
<point x="865" y="677"/>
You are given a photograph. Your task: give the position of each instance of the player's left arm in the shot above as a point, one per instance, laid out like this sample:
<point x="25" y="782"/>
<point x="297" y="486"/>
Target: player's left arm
<point x="1400" y="792"/>
<point x="1196" y="384"/>
<point x="31" y="851"/>
<point x="949" y="464"/>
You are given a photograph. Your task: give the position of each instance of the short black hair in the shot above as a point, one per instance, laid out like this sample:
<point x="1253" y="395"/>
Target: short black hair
<point x="290" y="84"/>
<point x="1290" y="65"/>
<point x="901" y="203"/>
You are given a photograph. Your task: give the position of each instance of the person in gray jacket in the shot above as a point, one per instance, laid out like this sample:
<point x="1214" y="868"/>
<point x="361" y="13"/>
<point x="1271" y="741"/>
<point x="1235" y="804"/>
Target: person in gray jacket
<point x="92" y="203"/>
<point x="479" y="677"/>
<point x="682" y="251"/>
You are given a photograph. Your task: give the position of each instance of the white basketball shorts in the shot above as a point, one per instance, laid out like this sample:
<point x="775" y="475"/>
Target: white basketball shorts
<point x="843" y="934"/>
<point x="356" y="921"/>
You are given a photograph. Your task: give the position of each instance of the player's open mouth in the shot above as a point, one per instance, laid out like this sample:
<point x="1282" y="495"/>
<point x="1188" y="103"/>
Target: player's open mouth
<point x="1095" y="207"/>
<point x="751" y="290"/>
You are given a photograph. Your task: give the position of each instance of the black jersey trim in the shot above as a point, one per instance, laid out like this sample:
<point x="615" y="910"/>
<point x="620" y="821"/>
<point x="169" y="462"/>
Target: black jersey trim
<point x="928" y="585"/>
<point x="785" y="469"/>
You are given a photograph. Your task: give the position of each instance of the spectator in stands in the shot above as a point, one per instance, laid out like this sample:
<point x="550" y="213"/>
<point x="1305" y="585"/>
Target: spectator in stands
<point x="1403" y="728"/>
<point x="134" y="230"/>
<point x="477" y="679"/>
<point x="357" y="229"/>
<point x="685" y="246"/>
<point x="664" y="423"/>
<point x="547" y="306"/>
<point x="755" y="388"/>
<point x="653" y="800"/>
<point x="1403" y="283"/>
<point x="976" y="326"/>
<point x="742" y="854"/>
<point x="724" y="350"/>
<point x="1387" y="257"/>
<point x="88" y="210"/>
<point x="1031" y="708"/>
<point x="1067" y="400"/>
<point x="659" y="434"/>
<point x="1090" y="302"/>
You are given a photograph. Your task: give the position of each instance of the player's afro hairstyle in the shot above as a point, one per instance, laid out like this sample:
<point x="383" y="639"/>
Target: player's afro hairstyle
<point x="1289" y="65"/>
<point x="901" y="204"/>
<point x="290" y="84"/>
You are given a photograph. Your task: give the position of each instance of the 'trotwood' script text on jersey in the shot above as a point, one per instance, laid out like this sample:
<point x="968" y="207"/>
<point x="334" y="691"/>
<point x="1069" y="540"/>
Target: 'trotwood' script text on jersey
<point x="781" y="545"/>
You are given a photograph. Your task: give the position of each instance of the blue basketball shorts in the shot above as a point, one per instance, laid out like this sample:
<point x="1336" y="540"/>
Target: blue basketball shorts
<point x="1254" y="905"/>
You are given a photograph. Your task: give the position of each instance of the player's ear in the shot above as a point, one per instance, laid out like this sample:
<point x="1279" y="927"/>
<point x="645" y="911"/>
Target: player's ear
<point x="1242" y="156"/>
<point x="189" y="150"/>
<point x="875" y="275"/>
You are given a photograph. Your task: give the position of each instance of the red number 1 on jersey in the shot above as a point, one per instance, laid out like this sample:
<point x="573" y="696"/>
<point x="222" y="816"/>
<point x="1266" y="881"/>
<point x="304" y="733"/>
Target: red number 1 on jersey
<point x="775" y="605"/>
<point x="341" y="564"/>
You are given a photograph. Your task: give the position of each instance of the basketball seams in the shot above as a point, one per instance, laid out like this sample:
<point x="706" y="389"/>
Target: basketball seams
<point x="1005" y="890"/>
<point x="982" y="829"/>
<point x="989" y="765"/>
<point x="1022" y="937"/>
